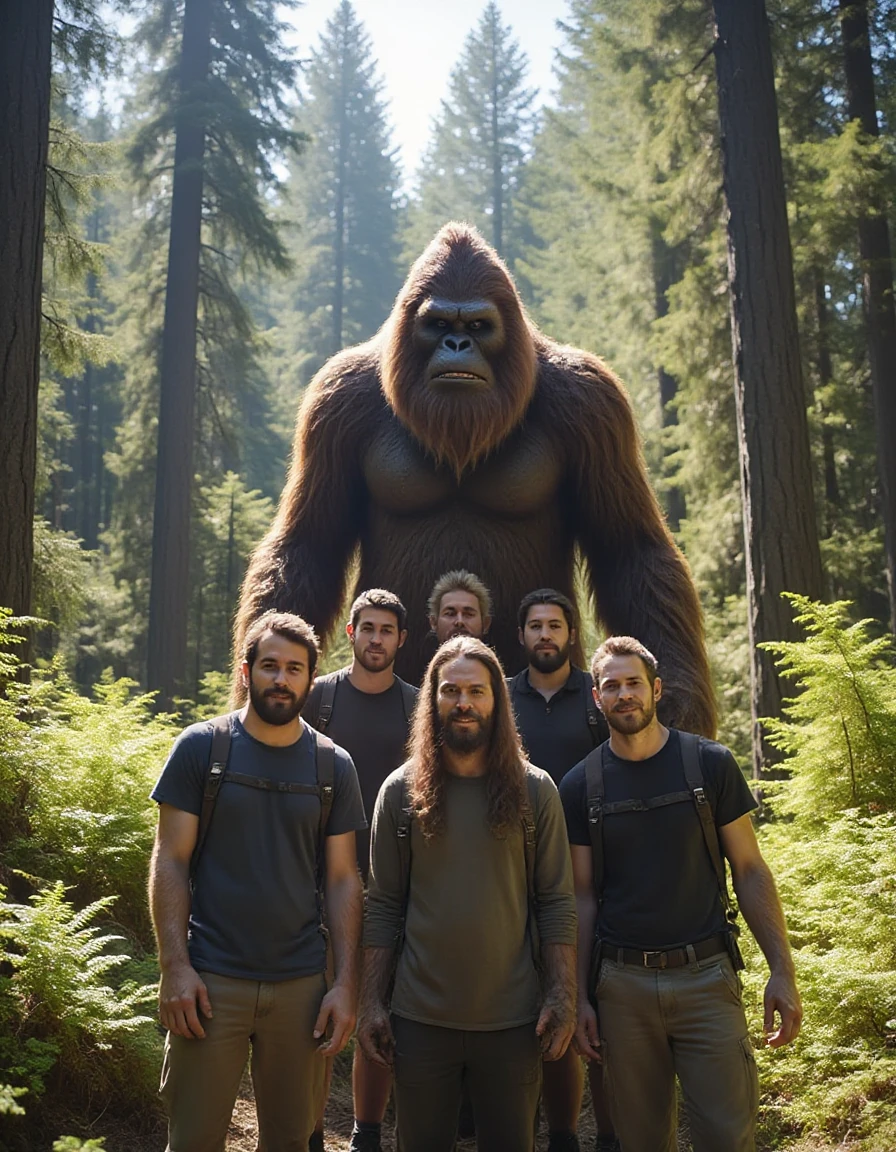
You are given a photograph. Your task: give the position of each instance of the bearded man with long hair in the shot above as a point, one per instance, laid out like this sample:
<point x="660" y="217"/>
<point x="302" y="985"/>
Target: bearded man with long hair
<point x="484" y="978"/>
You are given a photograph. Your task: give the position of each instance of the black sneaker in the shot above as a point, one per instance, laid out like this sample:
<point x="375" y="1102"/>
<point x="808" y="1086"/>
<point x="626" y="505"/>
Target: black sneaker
<point x="365" y="1142"/>
<point x="563" y="1142"/>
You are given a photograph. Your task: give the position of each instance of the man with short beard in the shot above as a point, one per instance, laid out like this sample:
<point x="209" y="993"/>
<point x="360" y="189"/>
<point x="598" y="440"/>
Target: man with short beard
<point x="559" y="724"/>
<point x="657" y="931"/>
<point x="449" y="877"/>
<point x="367" y="710"/>
<point x="236" y="903"/>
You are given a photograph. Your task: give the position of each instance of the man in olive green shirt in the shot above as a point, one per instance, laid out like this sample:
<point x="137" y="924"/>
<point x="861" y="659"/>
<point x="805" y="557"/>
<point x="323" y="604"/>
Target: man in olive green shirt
<point x="468" y="1003"/>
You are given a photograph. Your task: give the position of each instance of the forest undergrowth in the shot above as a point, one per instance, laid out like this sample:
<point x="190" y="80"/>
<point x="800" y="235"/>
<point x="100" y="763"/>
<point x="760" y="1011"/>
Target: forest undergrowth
<point x="79" y="1047"/>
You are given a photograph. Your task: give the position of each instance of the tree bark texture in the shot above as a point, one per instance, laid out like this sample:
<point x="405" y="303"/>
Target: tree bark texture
<point x="25" y="47"/>
<point x="877" y="279"/>
<point x="167" y="643"/>
<point x="662" y="261"/>
<point x="780" y="530"/>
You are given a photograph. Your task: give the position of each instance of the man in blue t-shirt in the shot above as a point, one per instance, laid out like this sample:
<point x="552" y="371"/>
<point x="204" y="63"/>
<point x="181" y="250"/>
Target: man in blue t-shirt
<point x="667" y="994"/>
<point x="241" y="948"/>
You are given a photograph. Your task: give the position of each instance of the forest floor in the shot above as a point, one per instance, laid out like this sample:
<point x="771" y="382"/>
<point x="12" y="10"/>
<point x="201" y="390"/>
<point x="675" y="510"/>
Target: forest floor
<point x="243" y="1133"/>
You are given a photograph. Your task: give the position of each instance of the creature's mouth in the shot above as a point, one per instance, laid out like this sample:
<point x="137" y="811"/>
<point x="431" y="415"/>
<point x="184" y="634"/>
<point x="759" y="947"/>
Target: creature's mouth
<point x="451" y="377"/>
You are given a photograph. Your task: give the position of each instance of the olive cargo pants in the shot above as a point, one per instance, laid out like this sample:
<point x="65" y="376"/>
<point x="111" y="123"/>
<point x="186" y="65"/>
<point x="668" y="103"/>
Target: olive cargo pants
<point x="201" y="1078"/>
<point x="689" y="1021"/>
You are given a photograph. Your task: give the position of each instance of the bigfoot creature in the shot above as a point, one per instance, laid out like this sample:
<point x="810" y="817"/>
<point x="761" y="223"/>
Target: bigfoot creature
<point x="462" y="437"/>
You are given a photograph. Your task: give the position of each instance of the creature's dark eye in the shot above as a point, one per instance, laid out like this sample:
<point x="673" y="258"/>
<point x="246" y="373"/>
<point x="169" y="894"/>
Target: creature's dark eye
<point x="475" y="325"/>
<point x="441" y="323"/>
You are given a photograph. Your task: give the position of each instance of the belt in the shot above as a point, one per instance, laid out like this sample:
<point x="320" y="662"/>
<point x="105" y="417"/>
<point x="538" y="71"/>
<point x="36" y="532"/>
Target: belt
<point x="672" y="958"/>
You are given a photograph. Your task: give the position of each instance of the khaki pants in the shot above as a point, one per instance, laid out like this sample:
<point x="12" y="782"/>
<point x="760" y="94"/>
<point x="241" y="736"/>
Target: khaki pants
<point x="200" y="1078"/>
<point x="656" y="1024"/>
<point x="502" y="1070"/>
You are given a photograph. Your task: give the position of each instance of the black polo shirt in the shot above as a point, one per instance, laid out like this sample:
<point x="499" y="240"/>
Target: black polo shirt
<point x="555" y="733"/>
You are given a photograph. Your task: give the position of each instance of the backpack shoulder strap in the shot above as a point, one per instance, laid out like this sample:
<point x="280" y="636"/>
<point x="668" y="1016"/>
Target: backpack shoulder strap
<point x="595" y="727"/>
<point x="218" y="756"/>
<point x="325" y="756"/>
<point x="327" y="696"/>
<point x="693" y="774"/>
<point x="403" y="839"/>
<point x="594" y="800"/>
<point x="529" y="838"/>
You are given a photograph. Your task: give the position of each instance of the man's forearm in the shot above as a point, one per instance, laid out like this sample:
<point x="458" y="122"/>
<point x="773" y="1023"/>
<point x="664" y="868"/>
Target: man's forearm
<point x="559" y="965"/>
<point x="344" y="901"/>
<point x="376" y="972"/>
<point x="761" y="906"/>
<point x="169" y="902"/>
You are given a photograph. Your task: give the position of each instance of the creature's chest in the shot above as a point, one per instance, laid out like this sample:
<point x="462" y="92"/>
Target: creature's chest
<point x="519" y="479"/>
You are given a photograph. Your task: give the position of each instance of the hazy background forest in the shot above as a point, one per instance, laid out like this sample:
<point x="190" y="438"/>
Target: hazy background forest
<point x="608" y="200"/>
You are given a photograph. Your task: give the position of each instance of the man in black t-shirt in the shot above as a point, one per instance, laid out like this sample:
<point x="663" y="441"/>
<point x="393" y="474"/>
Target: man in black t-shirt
<point x="668" y="997"/>
<point x="559" y="724"/>
<point x="236" y="907"/>
<point x="367" y="710"/>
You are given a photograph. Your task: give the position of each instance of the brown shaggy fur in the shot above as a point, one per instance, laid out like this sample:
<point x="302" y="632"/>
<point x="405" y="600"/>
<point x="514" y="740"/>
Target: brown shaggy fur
<point x="415" y="490"/>
<point x="459" y="265"/>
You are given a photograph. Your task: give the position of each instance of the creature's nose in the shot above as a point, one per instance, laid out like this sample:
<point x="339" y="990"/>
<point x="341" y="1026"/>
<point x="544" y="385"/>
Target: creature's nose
<point x="458" y="343"/>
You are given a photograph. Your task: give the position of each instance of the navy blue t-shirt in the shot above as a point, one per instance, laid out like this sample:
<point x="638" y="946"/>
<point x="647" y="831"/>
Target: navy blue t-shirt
<point x="660" y="888"/>
<point x="254" y="912"/>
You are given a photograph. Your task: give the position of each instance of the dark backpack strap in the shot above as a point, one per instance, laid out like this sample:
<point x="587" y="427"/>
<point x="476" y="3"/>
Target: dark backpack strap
<point x="592" y="713"/>
<point x="693" y="774"/>
<point x="325" y="764"/>
<point x="594" y="799"/>
<point x="327" y="696"/>
<point x="217" y="764"/>
<point x="530" y="845"/>
<point x="403" y="840"/>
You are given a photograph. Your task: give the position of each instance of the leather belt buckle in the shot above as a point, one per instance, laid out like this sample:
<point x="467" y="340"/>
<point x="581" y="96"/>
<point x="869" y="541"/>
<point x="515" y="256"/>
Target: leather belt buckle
<point x="654" y="959"/>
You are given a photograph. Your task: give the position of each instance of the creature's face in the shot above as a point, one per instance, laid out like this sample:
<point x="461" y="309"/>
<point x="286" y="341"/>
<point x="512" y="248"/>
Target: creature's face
<point x="375" y="638"/>
<point x="547" y="637"/>
<point x="459" y="362"/>
<point x="460" y="614"/>
<point x="465" y="703"/>
<point x="460" y="341"/>
<point x="625" y="695"/>
<point x="279" y="679"/>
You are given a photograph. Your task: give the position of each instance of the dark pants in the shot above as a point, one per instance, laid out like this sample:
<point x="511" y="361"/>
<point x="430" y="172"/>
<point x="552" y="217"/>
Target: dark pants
<point x="686" y="1022"/>
<point x="502" y="1069"/>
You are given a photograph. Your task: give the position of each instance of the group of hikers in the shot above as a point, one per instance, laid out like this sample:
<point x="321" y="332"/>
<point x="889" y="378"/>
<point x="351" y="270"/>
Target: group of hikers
<point x="530" y="893"/>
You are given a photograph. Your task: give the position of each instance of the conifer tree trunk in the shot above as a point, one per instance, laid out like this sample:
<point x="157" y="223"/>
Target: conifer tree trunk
<point x="497" y="173"/>
<point x="167" y="643"/>
<point x="339" y="223"/>
<point x="661" y="257"/>
<point x="781" y="536"/>
<point x="877" y="279"/>
<point x="825" y="376"/>
<point x="25" y="52"/>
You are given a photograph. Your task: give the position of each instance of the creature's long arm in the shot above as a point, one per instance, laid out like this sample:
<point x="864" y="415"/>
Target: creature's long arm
<point x="301" y="564"/>
<point x="640" y="581"/>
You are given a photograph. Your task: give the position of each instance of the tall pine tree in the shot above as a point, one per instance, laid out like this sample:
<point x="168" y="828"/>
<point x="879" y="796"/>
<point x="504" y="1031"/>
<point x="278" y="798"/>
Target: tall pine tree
<point x="482" y="138"/>
<point x="342" y="200"/>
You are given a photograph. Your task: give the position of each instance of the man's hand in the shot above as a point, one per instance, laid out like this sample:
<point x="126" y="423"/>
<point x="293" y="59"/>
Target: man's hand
<point x="781" y="996"/>
<point x="337" y="1009"/>
<point x="555" y="1026"/>
<point x="179" y="991"/>
<point x="375" y="1035"/>
<point x="586" y="1040"/>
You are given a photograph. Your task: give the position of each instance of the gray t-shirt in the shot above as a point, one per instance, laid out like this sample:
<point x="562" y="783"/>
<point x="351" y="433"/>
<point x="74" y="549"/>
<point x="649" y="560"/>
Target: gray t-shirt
<point x="254" y="912"/>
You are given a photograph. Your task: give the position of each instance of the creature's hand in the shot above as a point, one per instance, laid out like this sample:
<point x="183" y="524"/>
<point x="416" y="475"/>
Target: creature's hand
<point x="375" y="1035"/>
<point x="336" y="1008"/>
<point x="781" y="996"/>
<point x="587" y="1038"/>
<point x="555" y="1027"/>
<point x="179" y="991"/>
